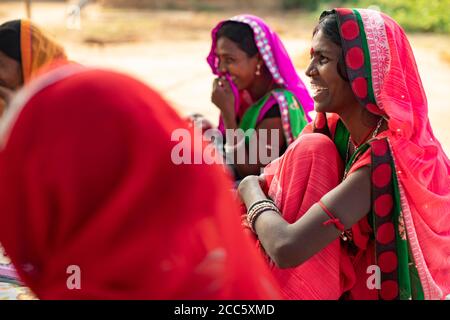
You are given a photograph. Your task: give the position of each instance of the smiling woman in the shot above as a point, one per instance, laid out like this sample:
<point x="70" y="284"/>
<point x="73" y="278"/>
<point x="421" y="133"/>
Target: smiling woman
<point x="366" y="185"/>
<point x="257" y="88"/>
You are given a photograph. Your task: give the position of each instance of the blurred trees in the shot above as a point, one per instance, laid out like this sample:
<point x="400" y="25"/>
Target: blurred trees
<point x="413" y="15"/>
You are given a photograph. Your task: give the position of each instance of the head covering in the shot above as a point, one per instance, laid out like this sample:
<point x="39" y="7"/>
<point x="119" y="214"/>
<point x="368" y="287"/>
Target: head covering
<point x="10" y="39"/>
<point x="38" y="49"/>
<point x="275" y="58"/>
<point x="87" y="181"/>
<point x="383" y="75"/>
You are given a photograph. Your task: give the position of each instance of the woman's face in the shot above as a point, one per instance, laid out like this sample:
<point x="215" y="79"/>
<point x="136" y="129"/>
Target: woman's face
<point x="10" y="79"/>
<point x="237" y="63"/>
<point x="331" y="93"/>
<point x="10" y="72"/>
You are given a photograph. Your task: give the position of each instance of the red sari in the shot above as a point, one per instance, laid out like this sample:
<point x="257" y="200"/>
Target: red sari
<point x="87" y="180"/>
<point x="408" y="233"/>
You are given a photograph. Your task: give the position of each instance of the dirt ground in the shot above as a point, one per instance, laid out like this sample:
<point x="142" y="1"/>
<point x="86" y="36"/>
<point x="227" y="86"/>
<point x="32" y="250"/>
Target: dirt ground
<point x="167" y="50"/>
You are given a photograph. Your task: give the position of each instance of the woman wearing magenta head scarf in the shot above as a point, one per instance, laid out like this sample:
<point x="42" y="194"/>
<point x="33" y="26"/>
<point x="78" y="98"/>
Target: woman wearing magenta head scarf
<point x="257" y="87"/>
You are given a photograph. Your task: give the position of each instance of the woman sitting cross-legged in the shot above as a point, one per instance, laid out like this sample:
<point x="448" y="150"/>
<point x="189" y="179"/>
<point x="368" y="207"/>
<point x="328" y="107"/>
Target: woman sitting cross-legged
<point x="359" y="205"/>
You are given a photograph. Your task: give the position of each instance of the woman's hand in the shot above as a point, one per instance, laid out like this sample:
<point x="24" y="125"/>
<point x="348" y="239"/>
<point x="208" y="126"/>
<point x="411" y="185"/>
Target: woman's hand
<point x="222" y="96"/>
<point x="247" y="183"/>
<point x="250" y="190"/>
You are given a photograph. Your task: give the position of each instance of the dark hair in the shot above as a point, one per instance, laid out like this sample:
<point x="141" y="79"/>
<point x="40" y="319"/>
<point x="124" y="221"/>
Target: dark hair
<point x="10" y="39"/>
<point x="328" y="24"/>
<point x="241" y="34"/>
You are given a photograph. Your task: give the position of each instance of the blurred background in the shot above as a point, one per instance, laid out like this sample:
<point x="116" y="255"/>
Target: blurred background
<point x="165" y="42"/>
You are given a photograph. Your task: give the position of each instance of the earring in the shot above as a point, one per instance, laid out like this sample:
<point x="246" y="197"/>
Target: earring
<point x="258" y="70"/>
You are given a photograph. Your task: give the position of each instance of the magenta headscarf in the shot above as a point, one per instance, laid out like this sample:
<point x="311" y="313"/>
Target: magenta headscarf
<point x="275" y="58"/>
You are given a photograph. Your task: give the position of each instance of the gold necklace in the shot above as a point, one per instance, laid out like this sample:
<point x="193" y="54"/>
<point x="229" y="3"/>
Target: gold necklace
<point x="374" y="134"/>
<point x="347" y="234"/>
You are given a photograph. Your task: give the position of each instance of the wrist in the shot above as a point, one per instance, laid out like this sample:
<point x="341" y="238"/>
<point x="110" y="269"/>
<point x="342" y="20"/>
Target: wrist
<point x="259" y="207"/>
<point x="228" y="114"/>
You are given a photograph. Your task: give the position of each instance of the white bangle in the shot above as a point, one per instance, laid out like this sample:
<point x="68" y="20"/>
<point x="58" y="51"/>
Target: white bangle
<point x="232" y="147"/>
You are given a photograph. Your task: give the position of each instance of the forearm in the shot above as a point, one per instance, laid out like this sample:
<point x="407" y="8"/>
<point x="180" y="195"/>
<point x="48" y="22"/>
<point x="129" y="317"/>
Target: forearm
<point x="281" y="240"/>
<point x="273" y="233"/>
<point x="269" y="224"/>
<point x="251" y="192"/>
<point x="290" y="245"/>
<point x="229" y="120"/>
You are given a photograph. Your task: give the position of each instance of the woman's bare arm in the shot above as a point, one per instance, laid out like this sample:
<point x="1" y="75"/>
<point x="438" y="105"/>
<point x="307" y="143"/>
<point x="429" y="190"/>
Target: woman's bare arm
<point x="289" y="245"/>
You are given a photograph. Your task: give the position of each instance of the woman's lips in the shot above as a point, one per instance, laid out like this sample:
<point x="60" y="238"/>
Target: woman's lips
<point x="318" y="91"/>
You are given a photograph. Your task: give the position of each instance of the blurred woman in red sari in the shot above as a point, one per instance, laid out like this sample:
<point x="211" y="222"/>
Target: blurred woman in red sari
<point x="24" y="50"/>
<point x="87" y="184"/>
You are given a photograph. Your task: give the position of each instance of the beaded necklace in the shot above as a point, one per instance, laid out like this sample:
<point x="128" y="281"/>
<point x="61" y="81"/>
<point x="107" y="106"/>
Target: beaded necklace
<point x="361" y="147"/>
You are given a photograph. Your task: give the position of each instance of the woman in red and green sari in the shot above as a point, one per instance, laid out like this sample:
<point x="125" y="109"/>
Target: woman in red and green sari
<point x="359" y="206"/>
<point x="257" y="88"/>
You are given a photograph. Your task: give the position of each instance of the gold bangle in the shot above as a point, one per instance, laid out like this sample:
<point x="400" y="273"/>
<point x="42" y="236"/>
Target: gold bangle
<point x="257" y="210"/>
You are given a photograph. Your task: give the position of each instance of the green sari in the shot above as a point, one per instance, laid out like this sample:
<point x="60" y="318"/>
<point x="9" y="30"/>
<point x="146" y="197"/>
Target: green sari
<point x="292" y="114"/>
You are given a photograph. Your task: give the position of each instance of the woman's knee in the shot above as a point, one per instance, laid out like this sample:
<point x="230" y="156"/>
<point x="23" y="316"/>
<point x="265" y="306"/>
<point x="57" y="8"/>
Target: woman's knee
<point x="316" y="143"/>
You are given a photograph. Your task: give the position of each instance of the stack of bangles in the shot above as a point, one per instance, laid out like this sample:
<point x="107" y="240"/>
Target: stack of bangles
<point x="259" y="207"/>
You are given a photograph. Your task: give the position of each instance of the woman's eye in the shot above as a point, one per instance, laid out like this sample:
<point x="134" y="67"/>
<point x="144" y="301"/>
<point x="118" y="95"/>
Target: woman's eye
<point x="323" y="60"/>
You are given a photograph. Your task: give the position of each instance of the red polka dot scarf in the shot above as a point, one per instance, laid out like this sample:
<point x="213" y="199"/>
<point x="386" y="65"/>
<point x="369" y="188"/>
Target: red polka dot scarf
<point x="410" y="171"/>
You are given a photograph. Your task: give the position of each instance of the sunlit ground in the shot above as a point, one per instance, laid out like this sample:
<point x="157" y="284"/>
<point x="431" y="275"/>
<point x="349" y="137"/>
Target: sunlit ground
<point x="167" y="50"/>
